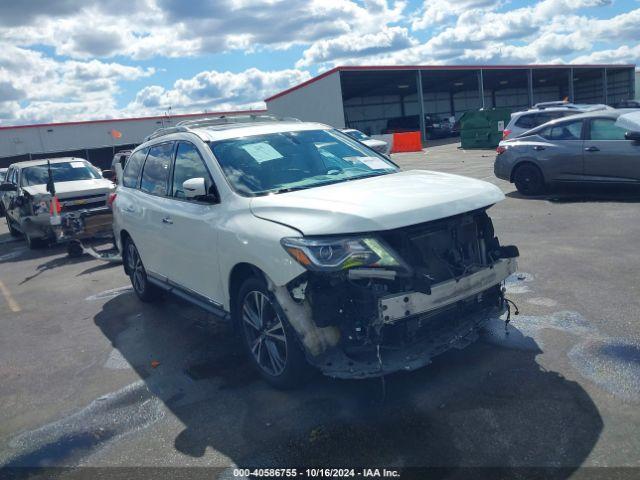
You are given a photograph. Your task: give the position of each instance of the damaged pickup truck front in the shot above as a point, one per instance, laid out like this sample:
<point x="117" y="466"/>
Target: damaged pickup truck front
<point x="57" y="200"/>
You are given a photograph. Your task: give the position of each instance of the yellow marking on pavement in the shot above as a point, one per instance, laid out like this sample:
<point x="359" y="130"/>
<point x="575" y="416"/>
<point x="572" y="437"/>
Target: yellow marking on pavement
<point x="13" y="305"/>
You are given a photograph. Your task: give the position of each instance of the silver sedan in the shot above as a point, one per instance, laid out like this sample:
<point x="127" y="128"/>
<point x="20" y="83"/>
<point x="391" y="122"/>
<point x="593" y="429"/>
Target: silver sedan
<point x="590" y="147"/>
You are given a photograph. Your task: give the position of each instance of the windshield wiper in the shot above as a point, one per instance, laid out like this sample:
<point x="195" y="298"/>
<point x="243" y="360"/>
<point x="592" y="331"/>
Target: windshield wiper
<point x="321" y="184"/>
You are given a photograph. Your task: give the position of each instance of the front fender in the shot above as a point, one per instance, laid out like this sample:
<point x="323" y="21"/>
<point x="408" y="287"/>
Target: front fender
<point x="245" y="238"/>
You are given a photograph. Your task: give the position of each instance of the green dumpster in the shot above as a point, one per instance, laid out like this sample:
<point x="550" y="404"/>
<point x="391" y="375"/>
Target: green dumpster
<point x="483" y="128"/>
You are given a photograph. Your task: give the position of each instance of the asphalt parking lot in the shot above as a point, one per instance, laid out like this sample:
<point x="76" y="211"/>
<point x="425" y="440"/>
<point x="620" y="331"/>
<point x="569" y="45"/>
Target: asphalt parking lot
<point x="89" y="376"/>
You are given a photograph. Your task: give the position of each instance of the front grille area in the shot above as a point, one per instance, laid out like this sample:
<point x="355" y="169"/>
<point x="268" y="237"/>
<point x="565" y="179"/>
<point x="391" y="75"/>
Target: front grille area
<point x="85" y="202"/>
<point x="447" y="248"/>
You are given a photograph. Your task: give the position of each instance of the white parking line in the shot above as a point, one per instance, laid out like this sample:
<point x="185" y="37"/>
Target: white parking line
<point x="13" y="305"/>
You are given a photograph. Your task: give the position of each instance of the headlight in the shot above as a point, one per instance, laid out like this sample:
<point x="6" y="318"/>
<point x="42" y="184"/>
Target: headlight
<point x="331" y="254"/>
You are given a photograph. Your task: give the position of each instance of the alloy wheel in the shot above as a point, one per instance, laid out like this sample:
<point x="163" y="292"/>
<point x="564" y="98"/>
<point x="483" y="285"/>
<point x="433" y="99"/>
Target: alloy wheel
<point x="265" y="333"/>
<point x="136" y="269"/>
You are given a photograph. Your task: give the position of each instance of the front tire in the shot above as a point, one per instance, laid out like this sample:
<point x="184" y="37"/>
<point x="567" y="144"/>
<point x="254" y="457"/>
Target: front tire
<point x="529" y="180"/>
<point x="268" y="337"/>
<point x="138" y="275"/>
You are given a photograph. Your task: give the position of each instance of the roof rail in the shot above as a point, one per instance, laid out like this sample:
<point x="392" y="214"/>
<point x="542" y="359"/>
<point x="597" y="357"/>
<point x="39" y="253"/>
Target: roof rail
<point x="187" y="125"/>
<point x="560" y="103"/>
<point x="165" y="131"/>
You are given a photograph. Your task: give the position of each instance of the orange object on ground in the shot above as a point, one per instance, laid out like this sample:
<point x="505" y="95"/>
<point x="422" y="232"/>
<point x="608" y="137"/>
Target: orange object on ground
<point x="406" y="142"/>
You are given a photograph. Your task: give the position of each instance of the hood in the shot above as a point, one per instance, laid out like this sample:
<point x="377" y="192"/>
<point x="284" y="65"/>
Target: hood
<point x="378" y="203"/>
<point x="372" y="142"/>
<point x="76" y="188"/>
<point x="629" y="121"/>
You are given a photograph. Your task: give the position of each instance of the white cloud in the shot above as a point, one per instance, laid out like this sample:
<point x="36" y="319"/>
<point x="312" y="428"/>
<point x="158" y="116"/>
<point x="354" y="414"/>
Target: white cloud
<point x="346" y="47"/>
<point x="213" y="90"/>
<point x="47" y="86"/>
<point x="91" y="37"/>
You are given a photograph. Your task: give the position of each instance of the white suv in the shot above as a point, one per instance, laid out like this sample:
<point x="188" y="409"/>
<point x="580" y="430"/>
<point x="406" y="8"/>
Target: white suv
<point x="318" y="249"/>
<point x="542" y="113"/>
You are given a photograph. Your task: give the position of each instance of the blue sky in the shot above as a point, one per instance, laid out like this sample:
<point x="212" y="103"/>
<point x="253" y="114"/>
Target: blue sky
<point x="74" y="60"/>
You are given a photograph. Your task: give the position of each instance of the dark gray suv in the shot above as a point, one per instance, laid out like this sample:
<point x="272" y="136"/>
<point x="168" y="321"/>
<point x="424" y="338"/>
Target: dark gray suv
<point x="587" y="147"/>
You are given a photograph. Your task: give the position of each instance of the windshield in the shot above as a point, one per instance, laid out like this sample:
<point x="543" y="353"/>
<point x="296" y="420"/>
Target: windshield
<point x="280" y="162"/>
<point x="62" y="172"/>
<point x="357" y="134"/>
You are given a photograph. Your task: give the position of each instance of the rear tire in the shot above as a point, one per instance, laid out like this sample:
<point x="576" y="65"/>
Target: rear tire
<point x="74" y="249"/>
<point x="145" y="291"/>
<point x="270" y="341"/>
<point x="529" y="180"/>
<point x="13" y="231"/>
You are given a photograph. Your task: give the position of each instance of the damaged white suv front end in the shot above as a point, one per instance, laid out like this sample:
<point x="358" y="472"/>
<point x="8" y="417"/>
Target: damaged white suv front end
<point x="399" y="268"/>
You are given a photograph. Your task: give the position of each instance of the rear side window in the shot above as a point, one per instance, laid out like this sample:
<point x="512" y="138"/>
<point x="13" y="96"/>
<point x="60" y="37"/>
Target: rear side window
<point x="156" y="169"/>
<point x="132" y="169"/>
<point x="563" y="131"/>
<point x="605" y="129"/>
<point x="526" y="121"/>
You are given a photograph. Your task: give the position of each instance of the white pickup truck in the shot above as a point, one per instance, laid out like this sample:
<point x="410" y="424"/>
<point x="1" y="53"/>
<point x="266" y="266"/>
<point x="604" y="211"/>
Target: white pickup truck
<point x="81" y="211"/>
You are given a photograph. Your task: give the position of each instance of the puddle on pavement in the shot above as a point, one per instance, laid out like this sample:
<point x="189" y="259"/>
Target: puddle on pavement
<point x="542" y="301"/>
<point x="524" y="330"/>
<point x="516" y="283"/>
<point x="613" y="364"/>
<point x="66" y="441"/>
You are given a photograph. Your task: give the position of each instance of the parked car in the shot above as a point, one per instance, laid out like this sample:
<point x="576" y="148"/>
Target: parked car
<point x="120" y="158"/>
<point x="379" y="146"/>
<point x="80" y="210"/>
<point x="3" y="174"/>
<point x="587" y="147"/>
<point x="627" y="104"/>
<point x="320" y="251"/>
<point x="542" y="113"/>
<point x="434" y="128"/>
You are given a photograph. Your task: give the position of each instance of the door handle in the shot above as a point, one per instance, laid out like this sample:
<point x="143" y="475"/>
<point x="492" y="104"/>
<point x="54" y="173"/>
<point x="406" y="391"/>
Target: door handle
<point x="167" y="220"/>
<point x="592" y="149"/>
<point x="129" y="209"/>
<point x="538" y="147"/>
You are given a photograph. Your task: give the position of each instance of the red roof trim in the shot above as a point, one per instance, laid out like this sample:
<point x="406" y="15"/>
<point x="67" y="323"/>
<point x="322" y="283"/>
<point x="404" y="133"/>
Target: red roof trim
<point x="356" y="68"/>
<point x="115" y="120"/>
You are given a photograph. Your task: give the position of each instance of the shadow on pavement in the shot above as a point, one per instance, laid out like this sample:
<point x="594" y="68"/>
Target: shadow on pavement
<point x="586" y="193"/>
<point x="482" y="406"/>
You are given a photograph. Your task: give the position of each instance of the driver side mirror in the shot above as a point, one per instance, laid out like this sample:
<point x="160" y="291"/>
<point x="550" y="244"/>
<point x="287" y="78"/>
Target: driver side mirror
<point x="109" y="175"/>
<point x="8" y="187"/>
<point x="196" y="189"/>
<point x="635" y="136"/>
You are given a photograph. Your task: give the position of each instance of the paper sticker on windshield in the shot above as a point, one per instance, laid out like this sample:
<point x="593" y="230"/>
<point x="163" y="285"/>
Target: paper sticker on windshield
<point x="77" y="164"/>
<point x="374" y="163"/>
<point x="261" y="152"/>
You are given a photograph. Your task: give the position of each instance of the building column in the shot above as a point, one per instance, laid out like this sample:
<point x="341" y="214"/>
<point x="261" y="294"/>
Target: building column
<point x="572" y="96"/>
<point x="605" y="86"/>
<point x="423" y="129"/>
<point x="452" y="105"/>
<point x="530" y="86"/>
<point x="481" y="87"/>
